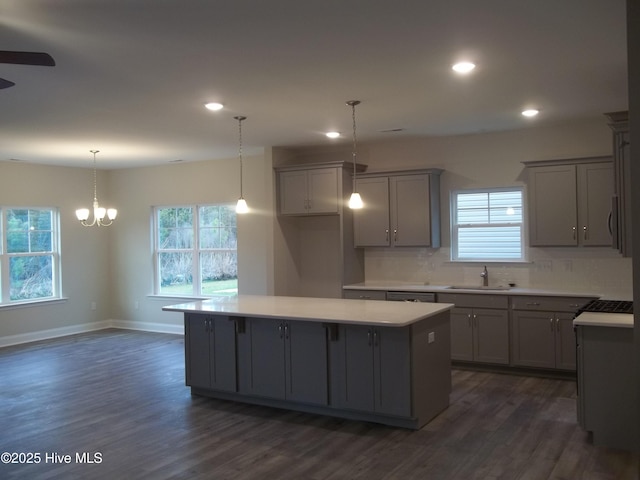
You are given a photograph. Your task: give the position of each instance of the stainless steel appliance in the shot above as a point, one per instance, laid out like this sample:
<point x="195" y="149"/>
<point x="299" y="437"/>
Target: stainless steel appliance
<point x="411" y="297"/>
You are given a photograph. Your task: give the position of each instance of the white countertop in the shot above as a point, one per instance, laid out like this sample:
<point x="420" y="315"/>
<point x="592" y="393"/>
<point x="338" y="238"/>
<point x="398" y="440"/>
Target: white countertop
<point x="336" y="310"/>
<point x="598" y="319"/>
<point x="417" y="287"/>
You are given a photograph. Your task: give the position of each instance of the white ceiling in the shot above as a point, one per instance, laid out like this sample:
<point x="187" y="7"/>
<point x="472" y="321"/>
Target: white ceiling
<point x="131" y="76"/>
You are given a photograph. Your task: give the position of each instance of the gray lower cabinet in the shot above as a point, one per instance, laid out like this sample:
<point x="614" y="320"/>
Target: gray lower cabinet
<point x="479" y="327"/>
<point x="542" y="331"/>
<point x="284" y="359"/>
<point x="480" y="335"/>
<point x="210" y="352"/>
<point x="371" y="369"/>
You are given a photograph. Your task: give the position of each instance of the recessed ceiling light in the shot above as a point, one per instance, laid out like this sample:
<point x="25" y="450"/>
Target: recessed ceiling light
<point x="215" y="106"/>
<point x="530" y="112"/>
<point x="332" y="134"/>
<point x="463" y="67"/>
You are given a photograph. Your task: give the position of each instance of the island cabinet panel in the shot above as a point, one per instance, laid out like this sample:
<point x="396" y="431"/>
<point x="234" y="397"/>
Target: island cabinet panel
<point x="371" y="369"/>
<point x="284" y="359"/>
<point x="210" y="352"/>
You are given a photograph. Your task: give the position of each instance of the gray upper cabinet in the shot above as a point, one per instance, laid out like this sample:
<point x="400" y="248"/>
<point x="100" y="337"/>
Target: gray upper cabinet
<point x="570" y="202"/>
<point x="621" y="202"/>
<point x="285" y="360"/>
<point x="309" y="191"/>
<point x="210" y="346"/>
<point x="400" y="209"/>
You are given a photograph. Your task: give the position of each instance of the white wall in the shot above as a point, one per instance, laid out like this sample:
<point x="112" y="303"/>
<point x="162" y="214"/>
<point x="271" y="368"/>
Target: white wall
<point x="84" y="257"/>
<point x="491" y="160"/>
<point x="137" y="190"/>
<point x="112" y="266"/>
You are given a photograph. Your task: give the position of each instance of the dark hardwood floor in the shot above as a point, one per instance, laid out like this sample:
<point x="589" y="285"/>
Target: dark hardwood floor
<point x="119" y="397"/>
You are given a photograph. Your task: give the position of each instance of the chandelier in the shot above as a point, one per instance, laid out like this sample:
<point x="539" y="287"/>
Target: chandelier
<point x="99" y="212"/>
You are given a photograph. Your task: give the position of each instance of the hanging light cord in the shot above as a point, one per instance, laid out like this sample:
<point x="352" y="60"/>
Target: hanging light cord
<point x="353" y="104"/>
<point x="95" y="181"/>
<point x="240" y="119"/>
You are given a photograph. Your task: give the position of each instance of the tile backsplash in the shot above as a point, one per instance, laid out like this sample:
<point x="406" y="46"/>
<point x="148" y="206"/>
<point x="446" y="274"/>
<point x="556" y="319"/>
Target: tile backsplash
<point x="599" y="271"/>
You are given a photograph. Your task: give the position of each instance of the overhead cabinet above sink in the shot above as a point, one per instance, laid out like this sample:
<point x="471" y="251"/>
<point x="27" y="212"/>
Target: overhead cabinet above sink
<point x="401" y="209"/>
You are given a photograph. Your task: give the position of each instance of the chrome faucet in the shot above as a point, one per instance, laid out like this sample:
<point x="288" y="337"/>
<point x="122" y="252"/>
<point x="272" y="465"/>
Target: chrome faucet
<point x="485" y="277"/>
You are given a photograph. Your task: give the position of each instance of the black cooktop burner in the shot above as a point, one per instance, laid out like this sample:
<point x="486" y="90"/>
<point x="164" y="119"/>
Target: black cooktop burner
<point x="608" y="306"/>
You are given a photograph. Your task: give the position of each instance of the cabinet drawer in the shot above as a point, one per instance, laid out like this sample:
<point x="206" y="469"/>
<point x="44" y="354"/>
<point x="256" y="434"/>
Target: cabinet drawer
<point x="551" y="304"/>
<point x="473" y="300"/>
<point x="365" y="294"/>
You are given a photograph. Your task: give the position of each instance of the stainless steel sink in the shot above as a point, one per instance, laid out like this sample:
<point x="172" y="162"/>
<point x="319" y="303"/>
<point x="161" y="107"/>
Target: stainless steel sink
<point x="476" y="287"/>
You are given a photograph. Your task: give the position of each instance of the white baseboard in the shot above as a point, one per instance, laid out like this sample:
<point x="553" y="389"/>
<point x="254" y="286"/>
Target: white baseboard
<point x="53" y="333"/>
<point x="89" y="327"/>
<point x="177" y="329"/>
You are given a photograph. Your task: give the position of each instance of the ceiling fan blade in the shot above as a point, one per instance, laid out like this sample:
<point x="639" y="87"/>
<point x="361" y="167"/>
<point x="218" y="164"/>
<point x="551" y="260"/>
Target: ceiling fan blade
<point x="27" y="58"/>
<point x="5" y="83"/>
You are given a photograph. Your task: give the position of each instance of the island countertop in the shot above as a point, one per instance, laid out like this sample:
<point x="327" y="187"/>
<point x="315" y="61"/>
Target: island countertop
<point x="337" y="310"/>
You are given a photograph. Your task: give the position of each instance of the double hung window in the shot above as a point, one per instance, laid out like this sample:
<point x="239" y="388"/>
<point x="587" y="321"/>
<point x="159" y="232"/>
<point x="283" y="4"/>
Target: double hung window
<point x="195" y="250"/>
<point x="29" y="255"/>
<point x="487" y="225"/>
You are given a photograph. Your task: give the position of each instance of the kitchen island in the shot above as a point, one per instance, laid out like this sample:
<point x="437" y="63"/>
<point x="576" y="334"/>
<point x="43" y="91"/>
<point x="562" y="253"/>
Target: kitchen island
<point x="359" y="359"/>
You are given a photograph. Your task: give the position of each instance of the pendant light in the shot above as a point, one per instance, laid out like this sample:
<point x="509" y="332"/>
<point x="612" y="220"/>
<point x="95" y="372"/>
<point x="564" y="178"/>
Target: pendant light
<point x="241" y="206"/>
<point x="355" y="202"/>
<point x="99" y="212"/>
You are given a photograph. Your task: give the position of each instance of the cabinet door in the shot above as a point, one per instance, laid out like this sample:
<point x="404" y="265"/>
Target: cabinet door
<point x="198" y="347"/>
<point x="223" y="341"/>
<point x="293" y="192"/>
<point x="410" y="211"/>
<point x="533" y="339"/>
<point x="371" y="224"/>
<point x="553" y="205"/>
<point x="306" y="362"/>
<point x="565" y="342"/>
<point x="462" y="334"/>
<point x="322" y="196"/>
<point x="392" y="371"/>
<point x="595" y="189"/>
<point x="351" y="367"/>
<point x="267" y="362"/>
<point x="491" y="336"/>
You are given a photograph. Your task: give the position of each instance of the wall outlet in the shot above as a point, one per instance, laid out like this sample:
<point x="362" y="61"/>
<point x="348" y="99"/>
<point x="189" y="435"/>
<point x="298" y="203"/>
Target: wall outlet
<point x="432" y="337"/>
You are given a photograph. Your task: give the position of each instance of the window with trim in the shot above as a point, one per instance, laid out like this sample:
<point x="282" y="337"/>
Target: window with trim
<point x="195" y="250"/>
<point x="29" y="254"/>
<point x="487" y="225"/>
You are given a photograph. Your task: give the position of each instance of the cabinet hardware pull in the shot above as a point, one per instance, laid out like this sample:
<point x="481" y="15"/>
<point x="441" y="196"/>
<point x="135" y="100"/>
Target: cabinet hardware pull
<point x="574" y="231"/>
<point x="280" y="330"/>
<point x="584" y="230"/>
<point x="475" y="319"/>
<point x="369" y="337"/>
<point x="532" y="304"/>
<point x="386" y="232"/>
<point x="469" y="320"/>
<point x="375" y="338"/>
<point x="395" y="234"/>
<point x="557" y="324"/>
<point x="551" y="323"/>
<point x="206" y="325"/>
<point x="286" y="331"/>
